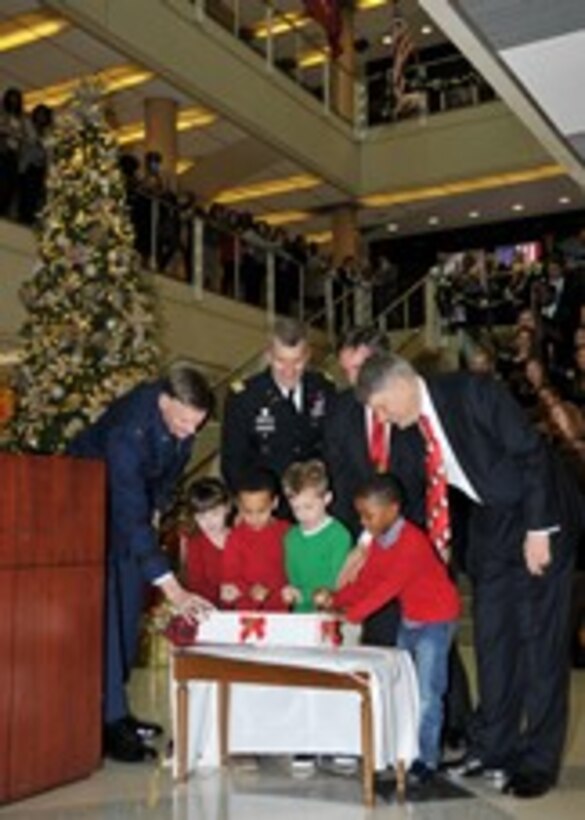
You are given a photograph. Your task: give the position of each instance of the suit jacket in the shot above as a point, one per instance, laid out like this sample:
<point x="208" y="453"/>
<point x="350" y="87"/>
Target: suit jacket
<point x="502" y="455"/>
<point x="349" y="464"/>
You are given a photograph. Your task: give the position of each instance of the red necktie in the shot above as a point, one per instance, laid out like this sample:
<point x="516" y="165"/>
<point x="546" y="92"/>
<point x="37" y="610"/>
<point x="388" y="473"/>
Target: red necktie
<point x="378" y="445"/>
<point x="437" y="504"/>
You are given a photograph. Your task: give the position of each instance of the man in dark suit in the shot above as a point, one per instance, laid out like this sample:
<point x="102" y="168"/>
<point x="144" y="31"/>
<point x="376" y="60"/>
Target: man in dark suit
<point x="277" y="416"/>
<point x="145" y="439"/>
<point x="519" y="556"/>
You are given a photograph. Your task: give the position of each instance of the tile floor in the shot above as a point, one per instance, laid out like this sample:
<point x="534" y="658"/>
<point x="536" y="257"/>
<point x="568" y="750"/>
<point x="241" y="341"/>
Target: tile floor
<point x="122" y="792"/>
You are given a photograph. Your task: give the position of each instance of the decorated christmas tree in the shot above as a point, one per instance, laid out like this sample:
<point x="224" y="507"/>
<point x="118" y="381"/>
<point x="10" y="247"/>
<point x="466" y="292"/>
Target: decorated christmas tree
<point x="90" y="333"/>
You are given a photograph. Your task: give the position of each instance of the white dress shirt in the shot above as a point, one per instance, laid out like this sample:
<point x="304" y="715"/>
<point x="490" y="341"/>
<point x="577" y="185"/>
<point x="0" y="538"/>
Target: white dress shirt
<point x="455" y="474"/>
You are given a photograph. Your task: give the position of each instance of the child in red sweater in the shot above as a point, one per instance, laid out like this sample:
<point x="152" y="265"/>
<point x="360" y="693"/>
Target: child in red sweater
<point x="401" y="563"/>
<point x="254" y="576"/>
<point x="203" y="550"/>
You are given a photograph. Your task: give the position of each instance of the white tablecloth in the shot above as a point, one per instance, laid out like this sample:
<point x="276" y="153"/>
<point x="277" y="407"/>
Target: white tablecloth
<point x="291" y="720"/>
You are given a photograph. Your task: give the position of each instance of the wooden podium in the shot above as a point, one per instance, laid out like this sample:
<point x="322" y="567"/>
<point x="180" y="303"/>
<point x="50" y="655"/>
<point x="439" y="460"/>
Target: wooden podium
<point x="51" y="606"/>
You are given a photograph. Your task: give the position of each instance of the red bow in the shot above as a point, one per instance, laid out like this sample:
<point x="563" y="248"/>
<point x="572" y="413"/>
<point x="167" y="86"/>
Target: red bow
<point x="252" y="626"/>
<point x="180" y="632"/>
<point x="331" y="632"/>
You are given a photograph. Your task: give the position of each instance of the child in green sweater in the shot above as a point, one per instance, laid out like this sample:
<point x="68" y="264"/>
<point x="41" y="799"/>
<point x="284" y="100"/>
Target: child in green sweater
<point x="316" y="548"/>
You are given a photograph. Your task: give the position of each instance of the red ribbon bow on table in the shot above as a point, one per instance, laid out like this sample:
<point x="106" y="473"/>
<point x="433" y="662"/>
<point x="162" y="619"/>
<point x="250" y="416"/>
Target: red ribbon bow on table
<point x="331" y="632"/>
<point x="180" y="632"/>
<point x="252" y="626"/>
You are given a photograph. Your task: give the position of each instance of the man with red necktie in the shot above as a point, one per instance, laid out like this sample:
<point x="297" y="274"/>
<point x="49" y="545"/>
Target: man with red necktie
<point x="523" y="528"/>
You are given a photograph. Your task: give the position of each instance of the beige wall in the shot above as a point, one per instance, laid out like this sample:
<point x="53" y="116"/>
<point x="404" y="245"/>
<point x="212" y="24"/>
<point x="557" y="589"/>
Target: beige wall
<point x="463" y="144"/>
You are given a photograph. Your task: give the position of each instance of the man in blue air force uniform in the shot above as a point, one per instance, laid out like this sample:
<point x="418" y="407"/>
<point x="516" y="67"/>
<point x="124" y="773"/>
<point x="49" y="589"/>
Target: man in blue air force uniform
<point x="145" y="439"/>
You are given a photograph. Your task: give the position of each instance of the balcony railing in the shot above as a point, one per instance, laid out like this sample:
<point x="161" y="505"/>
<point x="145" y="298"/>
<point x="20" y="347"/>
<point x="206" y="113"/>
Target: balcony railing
<point x="287" y="44"/>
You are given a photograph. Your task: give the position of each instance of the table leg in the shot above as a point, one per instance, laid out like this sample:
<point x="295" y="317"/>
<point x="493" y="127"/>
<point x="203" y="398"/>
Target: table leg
<point x="400" y="780"/>
<point x="367" y="748"/>
<point x="182" y="730"/>
<point x="224" y="720"/>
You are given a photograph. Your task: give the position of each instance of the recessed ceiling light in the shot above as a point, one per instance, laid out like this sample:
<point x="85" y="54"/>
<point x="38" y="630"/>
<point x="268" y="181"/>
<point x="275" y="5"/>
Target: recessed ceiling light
<point x="387" y="40"/>
<point x="268" y="187"/>
<point x="434" y="220"/>
<point x="564" y="200"/>
<point x="518" y="206"/>
<point x="426" y="30"/>
<point x="473" y="214"/>
<point x="392" y="227"/>
<point x="461" y="186"/>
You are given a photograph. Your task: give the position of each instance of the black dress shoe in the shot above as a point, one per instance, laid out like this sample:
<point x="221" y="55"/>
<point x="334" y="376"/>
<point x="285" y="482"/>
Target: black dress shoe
<point x="467" y="766"/>
<point x="122" y="743"/>
<point x="528" y="784"/>
<point x="419" y="773"/>
<point x="143" y="728"/>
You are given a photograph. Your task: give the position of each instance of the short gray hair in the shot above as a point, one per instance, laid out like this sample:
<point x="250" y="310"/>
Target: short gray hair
<point x="289" y="332"/>
<point x="378" y="371"/>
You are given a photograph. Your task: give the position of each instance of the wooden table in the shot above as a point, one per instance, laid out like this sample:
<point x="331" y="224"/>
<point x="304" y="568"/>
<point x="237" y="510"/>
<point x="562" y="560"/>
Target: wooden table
<point x="197" y="666"/>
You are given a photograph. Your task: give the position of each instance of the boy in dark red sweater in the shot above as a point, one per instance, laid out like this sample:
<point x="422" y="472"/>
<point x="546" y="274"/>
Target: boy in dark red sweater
<point x="401" y="563"/>
<point x="254" y="574"/>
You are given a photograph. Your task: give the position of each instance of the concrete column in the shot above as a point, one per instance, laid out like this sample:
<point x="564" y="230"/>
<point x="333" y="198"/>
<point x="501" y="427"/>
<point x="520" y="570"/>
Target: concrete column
<point x="344" y="69"/>
<point x="345" y="240"/>
<point x="160" y="117"/>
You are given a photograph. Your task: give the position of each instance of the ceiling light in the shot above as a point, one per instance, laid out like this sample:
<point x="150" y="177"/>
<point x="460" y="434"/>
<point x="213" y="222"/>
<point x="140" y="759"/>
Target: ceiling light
<point x="392" y="227"/>
<point x="319" y="238"/>
<point x="462" y="186"/>
<point x="434" y="220"/>
<point x="473" y="214"/>
<point x="518" y="207"/>
<point x="426" y="30"/>
<point x="271" y="187"/>
<point x="29" y="28"/>
<point x="313" y="58"/>
<point x="283" y="217"/>
<point x="564" y="200"/>
<point x="187" y="119"/>
<point x="285" y="23"/>
<point x="194" y="118"/>
<point x="184" y="165"/>
<point x="387" y="40"/>
<point x="364" y="5"/>
<point x="112" y="79"/>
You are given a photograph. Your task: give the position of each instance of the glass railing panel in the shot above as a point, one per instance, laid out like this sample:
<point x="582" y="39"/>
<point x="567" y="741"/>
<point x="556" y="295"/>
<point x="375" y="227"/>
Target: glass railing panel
<point x="432" y="87"/>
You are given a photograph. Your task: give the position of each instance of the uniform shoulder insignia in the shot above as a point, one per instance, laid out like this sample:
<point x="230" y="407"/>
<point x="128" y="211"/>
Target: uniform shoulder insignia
<point x="237" y="386"/>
